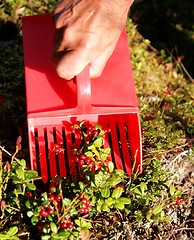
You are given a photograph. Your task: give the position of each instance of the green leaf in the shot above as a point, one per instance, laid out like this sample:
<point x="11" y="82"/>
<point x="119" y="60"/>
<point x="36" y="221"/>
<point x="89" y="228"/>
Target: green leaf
<point x="34" y="220"/>
<point x="53" y="227"/>
<point x="110" y="201"/>
<point x="117" y="192"/>
<point x="124" y="200"/>
<point x="119" y="205"/>
<point x="105" y="207"/>
<point x="66" y="202"/>
<point x="143" y="187"/>
<point x="107" y="151"/>
<point x="103" y="156"/>
<point x="113" y="181"/>
<point x="157" y="209"/>
<point x="98" y="126"/>
<point x="23" y="163"/>
<point x="81" y="185"/>
<point x="31" y="186"/>
<point x="89" y="154"/>
<point x="178" y="193"/>
<point x="105" y="192"/>
<point x="110" y="166"/>
<point x="12" y="231"/>
<point x="20" y="173"/>
<point x="172" y="189"/>
<point x="98" y="142"/>
<point x="120" y="172"/>
<point x="30" y="213"/>
<point x="83" y="224"/>
<point x="46" y="237"/>
<point x="30" y="175"/>
<point x="98" y="178"/>
<point x="137" y="191"/>
<point x="28" y="204"/>
<point x="64" y="235"/>
<point x="3" y="236"/>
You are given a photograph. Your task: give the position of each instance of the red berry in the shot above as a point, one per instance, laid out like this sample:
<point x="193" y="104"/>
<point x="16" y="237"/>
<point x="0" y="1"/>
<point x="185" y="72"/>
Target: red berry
<point x="88" y="160"/>
<point x="76" y="158"/>
<point x="69" y="220"/>
<point x="64" y="225"/>
<point x="58" y="207"/>
<point x="95" y="132"/>
<point x="57" y="148"/>
<point x="82" y="211"/>
<point x="178" y="201"/>
<point x="88" y="203"/>
<point x="89" y="126"/>
<point x="84" y="200"/>
<point x="81" y="162"/>
<point x="58" y="198"/>
<point x="30" y="194"/>
<point x="60" y="143"/>
<point x="40" y="226"/>
<point x="82" y="156"/>
<point x="43" y="213"/>
<point x="71" y="126"/>
<point x="86" y="210"/>
<point x="50" y="211"/>
<point x="89" y="132"/>
<point x="51" y="197"/>
<point x="52" y="185"/>
<point x="69" y="225"/>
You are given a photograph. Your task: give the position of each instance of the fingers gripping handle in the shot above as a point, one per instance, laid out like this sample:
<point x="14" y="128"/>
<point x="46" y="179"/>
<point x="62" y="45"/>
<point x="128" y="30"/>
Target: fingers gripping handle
<point x="83" y="83"/>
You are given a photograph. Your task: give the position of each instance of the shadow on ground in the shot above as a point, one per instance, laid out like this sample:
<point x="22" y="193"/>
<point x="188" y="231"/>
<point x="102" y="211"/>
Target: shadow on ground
<point x="169" y="25"/>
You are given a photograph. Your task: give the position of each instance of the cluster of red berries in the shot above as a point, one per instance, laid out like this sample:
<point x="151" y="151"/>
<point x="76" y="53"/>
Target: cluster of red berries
<point x="58" y="147"/>
<point x="85" y="205"/>
<point x="67" y="224"/>
<point x="82" y="158"/>
<point x="87" y="128"/>
<point x="45" y="211"/>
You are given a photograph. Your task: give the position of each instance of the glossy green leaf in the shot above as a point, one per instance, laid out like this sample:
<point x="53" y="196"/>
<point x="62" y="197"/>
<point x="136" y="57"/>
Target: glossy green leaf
<point x="110" y="201"/>
<point x="143" y="187"/>
<point x="172" y="189"/>
<point x="31" y="186"/>
<point x="157" y="209"/>
<point x="12" y="231"/>
<point x="30" y="213"/>
<point x="124" y="200"/>
<point x="53" y="227"/>
<point x="105" y="192"/>
<point x="66" y="202"/>
<point x="98" y="142"/>
<point x="117" y="192"/>
<point x="46" y="237"/>
<point x="119" y="205"/>
<point x="23" y="163"/>
<point x="20" y="173"/>
<point x="110" y="166"/>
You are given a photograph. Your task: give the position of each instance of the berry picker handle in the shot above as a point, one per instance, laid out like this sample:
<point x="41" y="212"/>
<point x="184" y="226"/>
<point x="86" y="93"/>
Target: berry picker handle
<point x="83" y="83"/>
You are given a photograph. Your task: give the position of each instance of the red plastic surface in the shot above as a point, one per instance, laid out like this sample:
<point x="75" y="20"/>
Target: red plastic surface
<point x="52" y="102"/>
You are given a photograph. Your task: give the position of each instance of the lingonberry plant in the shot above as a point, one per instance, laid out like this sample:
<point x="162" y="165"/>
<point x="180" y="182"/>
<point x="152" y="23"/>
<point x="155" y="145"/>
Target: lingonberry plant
<point x="72" y="207"/>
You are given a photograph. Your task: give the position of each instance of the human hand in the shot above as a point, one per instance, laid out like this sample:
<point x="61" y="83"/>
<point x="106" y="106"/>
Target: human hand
<point x="86" y="33"/>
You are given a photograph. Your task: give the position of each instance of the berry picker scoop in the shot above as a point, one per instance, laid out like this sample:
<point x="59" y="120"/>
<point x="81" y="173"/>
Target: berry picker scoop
<point x="53" y="104"/>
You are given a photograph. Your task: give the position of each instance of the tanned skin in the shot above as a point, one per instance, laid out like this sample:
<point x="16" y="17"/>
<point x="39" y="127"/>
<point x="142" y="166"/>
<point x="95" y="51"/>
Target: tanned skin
<point x="86" y="33"/>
